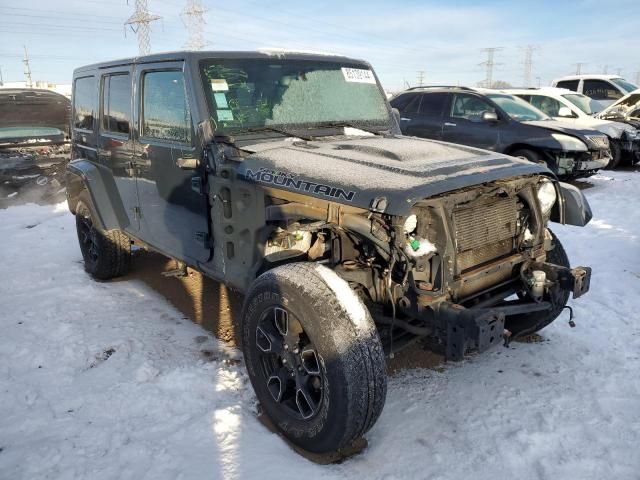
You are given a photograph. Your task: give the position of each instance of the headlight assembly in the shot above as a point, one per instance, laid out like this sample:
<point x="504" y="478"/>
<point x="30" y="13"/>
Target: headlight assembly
<point x="546" y="196"/>
<point x="410" y="224"/>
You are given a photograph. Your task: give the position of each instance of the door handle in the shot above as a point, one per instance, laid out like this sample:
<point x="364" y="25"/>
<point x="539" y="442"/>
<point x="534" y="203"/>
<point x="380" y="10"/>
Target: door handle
<point x="405" y="119"/>
<point x="448" y="124"/>
<point x="187" y="163"/>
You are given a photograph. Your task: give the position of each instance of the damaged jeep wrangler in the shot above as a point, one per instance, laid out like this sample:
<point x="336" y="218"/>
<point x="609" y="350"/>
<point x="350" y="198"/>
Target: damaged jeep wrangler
<point x="285" y="176"/>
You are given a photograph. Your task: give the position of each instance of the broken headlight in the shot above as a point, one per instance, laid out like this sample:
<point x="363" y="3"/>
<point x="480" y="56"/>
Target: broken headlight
<point x="546" y="196"/>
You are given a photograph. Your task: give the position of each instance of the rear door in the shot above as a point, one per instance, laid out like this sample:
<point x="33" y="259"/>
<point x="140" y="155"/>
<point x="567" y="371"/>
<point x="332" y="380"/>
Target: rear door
<point x="168" y="163"/>
<point x="115" y="142"/>
<point x="463" y="122"/>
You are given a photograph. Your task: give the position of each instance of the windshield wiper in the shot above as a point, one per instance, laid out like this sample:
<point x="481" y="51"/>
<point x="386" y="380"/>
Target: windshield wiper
<point x="281" y="131"/>
<point x="347" y="124"/>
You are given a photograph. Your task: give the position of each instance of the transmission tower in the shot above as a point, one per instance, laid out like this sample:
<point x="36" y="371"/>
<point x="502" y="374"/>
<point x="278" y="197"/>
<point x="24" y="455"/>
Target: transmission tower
<point x="140" y="23"/>
<point x="619" y="71"/>
<point x="421" y="75"/>
<point x="605" y="69"/>
<point x="579" y="66"/>
<point x="528" y="64"/>
<point x="193" y="19"/>
<point x="27" y="68"/>
<point x="490" y="65"/>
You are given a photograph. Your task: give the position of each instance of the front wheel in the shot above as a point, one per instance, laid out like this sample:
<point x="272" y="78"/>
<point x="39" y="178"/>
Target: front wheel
<point x="616" y="154"/>
<point x="313" y="356"/>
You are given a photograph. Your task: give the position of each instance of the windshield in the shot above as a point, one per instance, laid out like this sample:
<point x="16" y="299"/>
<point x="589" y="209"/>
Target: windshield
<point x="580" y="101"/>
<point x="277" y="93"/>
<point x="517" y="108"/>
<point x="625" y="85"/>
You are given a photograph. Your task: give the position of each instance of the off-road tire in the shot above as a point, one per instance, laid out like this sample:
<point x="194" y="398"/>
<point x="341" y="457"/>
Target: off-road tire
<point x="106" y="254"/>
<point x="527" y="154"/>
<point x="616" y="155"/>
<point x="529" y="323"/>
<point x="350" y="354"/>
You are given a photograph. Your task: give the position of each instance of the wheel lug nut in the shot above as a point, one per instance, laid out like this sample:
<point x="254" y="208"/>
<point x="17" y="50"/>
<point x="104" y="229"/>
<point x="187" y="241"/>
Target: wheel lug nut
<point x="295" y="350"/>
<point x="284" y="361"/>
<point x="286" y="347"/>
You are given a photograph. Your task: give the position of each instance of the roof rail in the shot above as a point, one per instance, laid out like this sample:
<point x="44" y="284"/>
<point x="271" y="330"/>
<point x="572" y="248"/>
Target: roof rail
<point x="439" y="86"/>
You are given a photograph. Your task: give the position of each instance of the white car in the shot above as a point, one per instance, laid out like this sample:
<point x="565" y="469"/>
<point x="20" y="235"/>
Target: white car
<point x="604" y="88"/>
<point x="571" y="107"/>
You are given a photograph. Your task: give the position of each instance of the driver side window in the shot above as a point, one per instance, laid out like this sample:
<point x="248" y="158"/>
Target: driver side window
<point x="469" y="107"/>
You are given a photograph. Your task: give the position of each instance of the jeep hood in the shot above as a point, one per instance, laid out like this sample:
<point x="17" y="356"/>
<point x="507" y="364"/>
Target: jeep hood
<point x="357" y="171"/>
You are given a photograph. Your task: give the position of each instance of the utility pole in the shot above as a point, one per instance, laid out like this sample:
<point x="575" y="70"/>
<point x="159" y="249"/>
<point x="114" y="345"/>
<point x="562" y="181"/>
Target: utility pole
<point x="605" y="69"/>
<point x="421" y="75"/>
<point x="140" y="23"/>
<point x="528" y="64"/>
<point x="193" y="19"/>
<point x="490" y="65"/>
<point x="1" y="81"/>
<point x="619" y="71"/>
<point x="538" y="80"/>
<point x="27" y="68"/>
<point x="579" y="66"/>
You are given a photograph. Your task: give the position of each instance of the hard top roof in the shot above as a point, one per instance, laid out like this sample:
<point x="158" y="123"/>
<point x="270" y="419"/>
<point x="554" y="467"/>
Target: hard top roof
<point x="184" y="55"/>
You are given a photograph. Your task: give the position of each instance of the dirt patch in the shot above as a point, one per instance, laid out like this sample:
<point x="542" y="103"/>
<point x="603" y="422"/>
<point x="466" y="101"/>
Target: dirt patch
<point x="218" y="309"/>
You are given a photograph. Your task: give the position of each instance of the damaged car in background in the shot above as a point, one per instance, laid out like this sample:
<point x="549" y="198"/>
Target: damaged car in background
<point x="574" y="108"/>
<point x="626" y="110"/>
<point x="496" y="120"/>
<point x="34" y="145"/>
<point x="285" y="176"/>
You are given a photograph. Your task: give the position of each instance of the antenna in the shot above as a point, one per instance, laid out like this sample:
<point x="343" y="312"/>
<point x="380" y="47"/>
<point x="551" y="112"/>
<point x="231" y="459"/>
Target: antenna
<point x="490" y="64"/>
<point x="27" y="68"/>
<point x="528" y="64"/>
<point x="193" y="19"/>
<point x="421" y="75"/>
<point x="140" y="23"/>
<point x="579" y="66"/>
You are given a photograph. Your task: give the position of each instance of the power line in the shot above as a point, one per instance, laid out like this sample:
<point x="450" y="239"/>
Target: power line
<point x="140" y="23"/>
<point x="490" y="65"/>
<point x="193" y="18"/>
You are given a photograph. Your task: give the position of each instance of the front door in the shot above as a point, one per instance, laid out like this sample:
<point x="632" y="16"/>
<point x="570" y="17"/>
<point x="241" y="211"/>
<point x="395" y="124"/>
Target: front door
<point x="174" y="215"/>
<point x="464" y="123"/>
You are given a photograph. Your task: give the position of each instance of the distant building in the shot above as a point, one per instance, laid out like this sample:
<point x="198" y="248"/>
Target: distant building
<point x="64" y="89"/>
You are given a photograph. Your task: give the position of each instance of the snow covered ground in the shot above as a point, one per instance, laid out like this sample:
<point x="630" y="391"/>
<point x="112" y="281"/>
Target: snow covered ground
<point x="108" y="381"/>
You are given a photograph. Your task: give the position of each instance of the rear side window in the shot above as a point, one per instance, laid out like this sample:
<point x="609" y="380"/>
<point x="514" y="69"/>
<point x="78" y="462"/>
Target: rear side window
<point x="165" y="111"/>
<point x="433" y="104"/>
<point x="402" y="101"/>
<point x="116" y="103"/>
<point x="83" y="103"/>
<point x="600" y="90"/>
<point x="569" y="84"/>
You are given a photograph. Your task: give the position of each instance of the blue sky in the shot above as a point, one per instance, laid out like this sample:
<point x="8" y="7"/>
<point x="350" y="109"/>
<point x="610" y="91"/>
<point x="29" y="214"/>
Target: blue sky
<point x="399" y="38"/>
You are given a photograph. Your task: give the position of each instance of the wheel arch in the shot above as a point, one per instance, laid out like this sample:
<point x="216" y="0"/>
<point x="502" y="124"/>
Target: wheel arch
<point x="83" y="175"/>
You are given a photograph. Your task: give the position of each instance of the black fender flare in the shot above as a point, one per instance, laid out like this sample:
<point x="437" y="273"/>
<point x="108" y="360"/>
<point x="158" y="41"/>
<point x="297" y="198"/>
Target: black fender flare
<point x="82" y="174"/>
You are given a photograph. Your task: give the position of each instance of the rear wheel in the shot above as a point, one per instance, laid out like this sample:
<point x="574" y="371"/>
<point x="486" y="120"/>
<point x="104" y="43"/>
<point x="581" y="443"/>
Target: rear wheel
<point x="528" y="323"/>
<point x="313" y="356"/>
<point x="106" y="254"/>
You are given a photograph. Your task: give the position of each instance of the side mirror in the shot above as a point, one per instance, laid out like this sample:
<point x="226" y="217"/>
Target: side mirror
<point x="565" y="112"/>
<point x="572" y="207"/>
<point x="491" y="117"/>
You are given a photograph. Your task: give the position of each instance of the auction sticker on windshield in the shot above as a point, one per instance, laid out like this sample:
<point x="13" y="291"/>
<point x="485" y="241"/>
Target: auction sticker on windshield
<point x="358" y="75"/>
